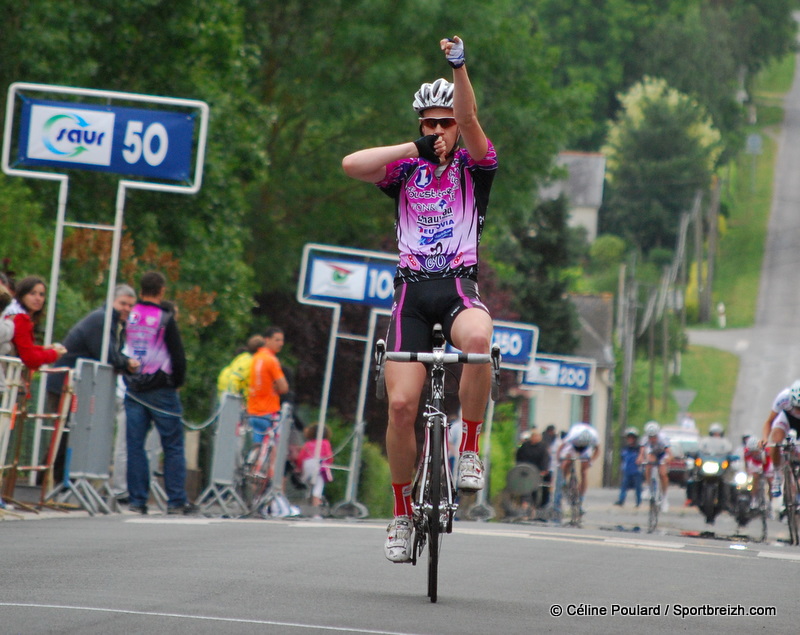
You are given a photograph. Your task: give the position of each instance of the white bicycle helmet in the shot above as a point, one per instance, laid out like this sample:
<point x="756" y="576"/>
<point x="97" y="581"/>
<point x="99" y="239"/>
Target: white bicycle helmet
<point x="651" y="428"/>
<point x="752" y="444"/>
<point x="631" y="431"/>
<point x="794" y="394"/>
<point x="716" y="428"/>
<point x="584" y="438"/>
<point x="439" y="94"/>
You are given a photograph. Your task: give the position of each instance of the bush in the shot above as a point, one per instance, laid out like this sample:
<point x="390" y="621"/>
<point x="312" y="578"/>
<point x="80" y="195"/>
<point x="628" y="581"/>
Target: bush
<point x="375" y="485"/>
<point x="607" y="251"/>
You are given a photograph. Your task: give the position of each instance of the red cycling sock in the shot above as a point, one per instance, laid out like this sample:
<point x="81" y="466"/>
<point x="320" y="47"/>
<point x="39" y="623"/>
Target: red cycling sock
<point x="402" y="499"/>
<point x="470" y="436"/>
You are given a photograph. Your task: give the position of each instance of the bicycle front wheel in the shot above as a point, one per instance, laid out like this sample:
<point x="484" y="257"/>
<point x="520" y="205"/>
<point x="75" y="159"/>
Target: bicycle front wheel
<point x="763" y="505"/>
<point x="790" y="502"/>
<point x="574" y="499"/>
<point x="434" y="519"/>
<point x="652" y="520"/>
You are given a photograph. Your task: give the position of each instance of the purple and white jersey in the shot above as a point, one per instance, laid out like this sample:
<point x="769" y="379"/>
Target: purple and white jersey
<point x="145" y="339"/>
<point x="439" y="219"/>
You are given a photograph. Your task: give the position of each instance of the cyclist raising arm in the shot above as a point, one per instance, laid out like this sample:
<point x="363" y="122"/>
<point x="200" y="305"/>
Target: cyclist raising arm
<point x="441" y="193"/>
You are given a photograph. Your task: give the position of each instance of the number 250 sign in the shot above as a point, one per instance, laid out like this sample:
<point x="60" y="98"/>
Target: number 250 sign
<point x="134" y="141"/>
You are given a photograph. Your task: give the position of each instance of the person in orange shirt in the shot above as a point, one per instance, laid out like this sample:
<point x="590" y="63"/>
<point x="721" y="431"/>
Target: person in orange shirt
<point x="267" y="384"/>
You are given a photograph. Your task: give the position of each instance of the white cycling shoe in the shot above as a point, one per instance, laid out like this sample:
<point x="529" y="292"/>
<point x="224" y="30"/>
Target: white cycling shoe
<point x="470" y="472"/>
<point x="398" y="540"/>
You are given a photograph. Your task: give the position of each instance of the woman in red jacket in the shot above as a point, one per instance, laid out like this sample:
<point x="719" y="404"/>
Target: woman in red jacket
<point x="25" y="310"/>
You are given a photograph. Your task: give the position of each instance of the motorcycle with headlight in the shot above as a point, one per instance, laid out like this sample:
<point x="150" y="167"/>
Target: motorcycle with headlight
<point x="708" y="486"/>
<point x="750" y="500"/>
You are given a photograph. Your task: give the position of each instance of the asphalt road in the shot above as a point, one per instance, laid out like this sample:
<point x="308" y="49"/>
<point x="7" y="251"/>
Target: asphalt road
<point x="75" y="574"/>
<point x="770" y="350"/>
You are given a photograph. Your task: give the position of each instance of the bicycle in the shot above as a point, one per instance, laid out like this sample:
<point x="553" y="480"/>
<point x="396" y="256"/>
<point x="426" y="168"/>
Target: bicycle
<point x="791" y="471"/>
<point x="433" y="488"/>
<point x="761" y="507"/>
<point x="573" y="492"/>
<point x="256" y="469"/>
<point x="655" y="497"/>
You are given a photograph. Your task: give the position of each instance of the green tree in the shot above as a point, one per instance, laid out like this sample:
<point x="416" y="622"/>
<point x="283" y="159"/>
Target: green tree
<point x="660" y="152"/>
<point x="181" y="48"/>
<point x="538" y="250"/>
<point x="600" y="47"/>
<point x="695" y="53"/>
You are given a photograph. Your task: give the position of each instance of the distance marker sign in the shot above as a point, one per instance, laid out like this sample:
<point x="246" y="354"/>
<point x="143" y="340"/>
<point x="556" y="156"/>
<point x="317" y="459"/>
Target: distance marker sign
<point x="132" y="141"/>
<point x="574" y="374"/>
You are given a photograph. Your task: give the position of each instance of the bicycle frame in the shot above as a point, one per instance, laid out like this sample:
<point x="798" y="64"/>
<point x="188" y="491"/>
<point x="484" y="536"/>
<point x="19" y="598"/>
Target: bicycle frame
<point x="790" y="467"/>
<point x="433" y="488"/>
<point x="573" y="490"/>
<point x="255" y="470"/>
<point x="655" y="496"/>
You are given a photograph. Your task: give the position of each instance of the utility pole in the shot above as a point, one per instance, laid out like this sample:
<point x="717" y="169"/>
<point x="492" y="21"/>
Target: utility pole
<point x="698" y="258"/>
<point x="713" y="222"/>
<point x="628" y="341"/>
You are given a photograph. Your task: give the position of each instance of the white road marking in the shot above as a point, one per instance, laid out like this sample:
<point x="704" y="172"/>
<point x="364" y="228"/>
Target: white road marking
<point x="779" y="556"/>
<point x="646" y="543"/>
<point x="206" y="618"/>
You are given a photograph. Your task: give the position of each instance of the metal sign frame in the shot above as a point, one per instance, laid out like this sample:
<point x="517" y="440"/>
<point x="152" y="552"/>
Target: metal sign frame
<point x="192" y="187"/>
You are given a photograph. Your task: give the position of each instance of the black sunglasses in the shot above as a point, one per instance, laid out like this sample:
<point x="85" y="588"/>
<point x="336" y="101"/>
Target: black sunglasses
<point x="432" y="122"/>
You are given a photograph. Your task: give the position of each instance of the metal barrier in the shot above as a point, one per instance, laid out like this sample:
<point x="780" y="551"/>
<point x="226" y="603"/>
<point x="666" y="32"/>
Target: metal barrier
<point x="225" y="441"/>
<point x="11" y="369"/>
<point x="14" y="415"/>
<point x="91" y="438"/>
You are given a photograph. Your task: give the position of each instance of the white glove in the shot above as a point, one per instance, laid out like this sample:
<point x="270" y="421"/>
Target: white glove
<point x="455" y="57"/>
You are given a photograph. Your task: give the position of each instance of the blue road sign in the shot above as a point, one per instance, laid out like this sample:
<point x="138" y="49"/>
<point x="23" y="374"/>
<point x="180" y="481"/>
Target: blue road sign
<point x="133" y="141"/>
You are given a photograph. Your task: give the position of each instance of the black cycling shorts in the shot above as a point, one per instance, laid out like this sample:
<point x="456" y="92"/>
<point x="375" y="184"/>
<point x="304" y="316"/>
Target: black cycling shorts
<point x="419" y="305"/>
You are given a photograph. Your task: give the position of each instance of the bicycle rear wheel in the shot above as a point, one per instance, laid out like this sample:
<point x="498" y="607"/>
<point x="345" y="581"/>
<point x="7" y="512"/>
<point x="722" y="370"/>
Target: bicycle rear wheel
<point x="436" y="483"/>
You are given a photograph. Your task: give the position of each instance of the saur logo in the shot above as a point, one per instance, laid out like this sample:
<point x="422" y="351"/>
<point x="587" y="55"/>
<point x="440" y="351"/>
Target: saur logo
<point x="71" y="135"/>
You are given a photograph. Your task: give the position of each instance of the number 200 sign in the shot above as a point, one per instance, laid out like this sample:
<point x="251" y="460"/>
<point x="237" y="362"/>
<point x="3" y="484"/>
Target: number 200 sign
<point x="133" y="141"/>
<point x="573" y="374"/>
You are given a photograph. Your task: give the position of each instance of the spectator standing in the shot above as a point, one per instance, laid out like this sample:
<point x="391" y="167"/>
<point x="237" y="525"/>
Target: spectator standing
<point x="85" y="341"/>
<point x="534" y="451"/>
<point x="630" y="468"/>
<point x="152" y="397"/>
<point x="235" y="377"/>
<point x="25" y="310"/>
<point x="6" y="291"/>
<point x="267" y="384"/>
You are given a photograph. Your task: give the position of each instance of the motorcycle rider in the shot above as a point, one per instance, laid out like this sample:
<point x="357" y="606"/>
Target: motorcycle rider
<point x="715" y="443"/>
<point x="714" y="446"/>
<point x="655" y="451"/>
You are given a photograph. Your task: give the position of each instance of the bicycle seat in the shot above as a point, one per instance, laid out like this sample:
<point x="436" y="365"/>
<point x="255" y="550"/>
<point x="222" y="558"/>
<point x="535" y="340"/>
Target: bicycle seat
<point x="438" y="336"/>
